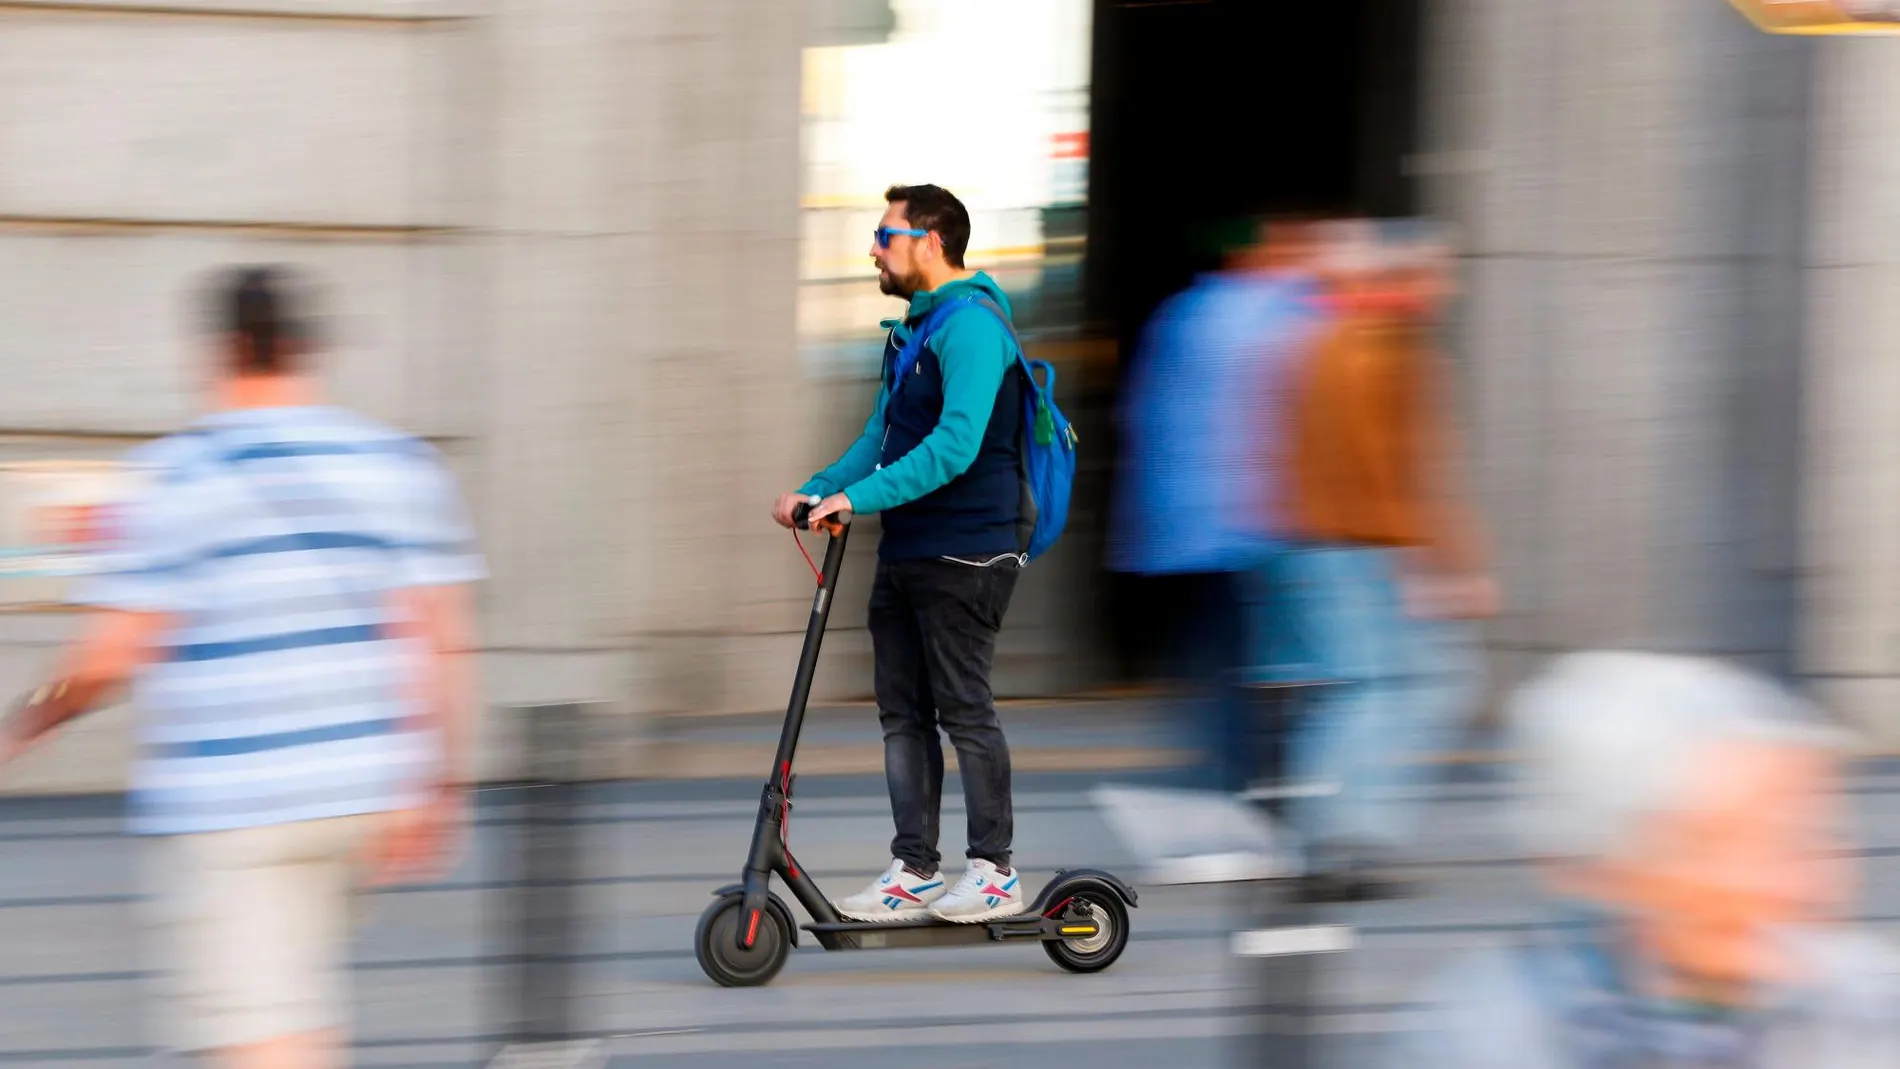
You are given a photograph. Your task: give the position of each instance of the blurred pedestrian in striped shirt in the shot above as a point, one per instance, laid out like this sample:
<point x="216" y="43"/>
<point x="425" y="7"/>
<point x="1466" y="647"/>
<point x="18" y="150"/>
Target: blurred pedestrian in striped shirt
<point x="287" y="604"/>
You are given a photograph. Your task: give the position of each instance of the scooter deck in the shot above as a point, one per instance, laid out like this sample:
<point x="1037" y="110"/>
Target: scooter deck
<point x="1041" y="920"/>
<point x="930" y="932"/>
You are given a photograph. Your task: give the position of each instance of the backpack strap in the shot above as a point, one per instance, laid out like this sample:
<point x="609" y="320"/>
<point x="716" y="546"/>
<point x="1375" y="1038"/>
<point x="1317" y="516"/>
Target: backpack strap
<point x="908" y="356"/>
<point x="1022" y="359"/>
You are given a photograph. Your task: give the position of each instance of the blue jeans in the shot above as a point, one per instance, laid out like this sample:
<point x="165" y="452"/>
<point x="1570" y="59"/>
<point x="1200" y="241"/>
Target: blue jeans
<point x="1404" y="688"/>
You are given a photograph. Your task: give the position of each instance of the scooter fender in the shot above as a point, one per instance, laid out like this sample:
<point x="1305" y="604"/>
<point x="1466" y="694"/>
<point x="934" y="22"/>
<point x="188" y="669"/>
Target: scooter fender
<point x="737" y="890"/>
<point x="1055" y="890"/>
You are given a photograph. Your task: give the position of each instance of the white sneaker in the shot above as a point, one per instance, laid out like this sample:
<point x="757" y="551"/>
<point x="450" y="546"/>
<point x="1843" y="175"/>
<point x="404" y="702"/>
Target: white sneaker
<point x="898" y="895"/>
<point x="982" y="894"/>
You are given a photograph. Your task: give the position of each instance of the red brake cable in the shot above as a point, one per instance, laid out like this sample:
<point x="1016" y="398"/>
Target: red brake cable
<point x="816" y="574"/>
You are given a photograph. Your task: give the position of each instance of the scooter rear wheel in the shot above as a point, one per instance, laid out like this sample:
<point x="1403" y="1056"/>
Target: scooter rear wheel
<point x="716" y="944"/>
<point x="1101" y="905"/>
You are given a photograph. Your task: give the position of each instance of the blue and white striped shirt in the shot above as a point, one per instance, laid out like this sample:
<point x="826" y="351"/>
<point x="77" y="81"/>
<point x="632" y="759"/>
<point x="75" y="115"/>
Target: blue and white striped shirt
<point x="276" y="537"/>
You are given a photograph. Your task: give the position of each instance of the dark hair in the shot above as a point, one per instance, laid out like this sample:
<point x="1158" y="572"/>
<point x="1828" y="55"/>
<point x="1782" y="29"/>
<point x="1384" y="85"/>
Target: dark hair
<point x="935" y="208"/>
<point x="254" y="303"/>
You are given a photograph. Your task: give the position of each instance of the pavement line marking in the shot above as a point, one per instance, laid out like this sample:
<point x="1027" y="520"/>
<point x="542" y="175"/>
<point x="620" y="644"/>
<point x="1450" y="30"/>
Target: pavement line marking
<point x="581" y="1054"/>
<point x="1287" y="942"/>
<point x="660" y="1032"/>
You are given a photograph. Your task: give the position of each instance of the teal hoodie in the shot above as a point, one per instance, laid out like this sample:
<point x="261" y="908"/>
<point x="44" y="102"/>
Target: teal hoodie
<point x="975" y="351"/>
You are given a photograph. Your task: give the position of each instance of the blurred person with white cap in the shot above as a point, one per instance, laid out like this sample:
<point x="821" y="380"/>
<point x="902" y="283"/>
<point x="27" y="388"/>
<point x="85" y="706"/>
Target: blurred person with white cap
<point x="1686" y="819"/>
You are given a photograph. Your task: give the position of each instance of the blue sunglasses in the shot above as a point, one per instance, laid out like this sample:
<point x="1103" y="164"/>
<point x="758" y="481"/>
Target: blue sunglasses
<point x="885" y="233"/>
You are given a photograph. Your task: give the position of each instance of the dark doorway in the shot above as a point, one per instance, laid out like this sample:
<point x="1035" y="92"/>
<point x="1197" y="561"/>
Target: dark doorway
<point x="1206" y="111"/>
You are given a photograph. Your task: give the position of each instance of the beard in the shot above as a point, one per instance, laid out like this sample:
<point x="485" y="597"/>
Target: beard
<point x="894" y="285"/>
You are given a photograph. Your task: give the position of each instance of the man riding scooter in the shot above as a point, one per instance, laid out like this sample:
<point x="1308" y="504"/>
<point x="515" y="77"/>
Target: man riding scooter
<point x="940" y="460"/>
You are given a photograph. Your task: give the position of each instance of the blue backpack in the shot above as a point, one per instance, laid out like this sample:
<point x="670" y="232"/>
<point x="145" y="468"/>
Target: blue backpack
<point x="1048" y="440"/>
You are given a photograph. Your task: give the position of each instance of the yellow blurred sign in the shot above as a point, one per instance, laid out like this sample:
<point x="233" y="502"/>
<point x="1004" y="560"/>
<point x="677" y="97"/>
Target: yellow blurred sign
<point x="1823" y="17"/>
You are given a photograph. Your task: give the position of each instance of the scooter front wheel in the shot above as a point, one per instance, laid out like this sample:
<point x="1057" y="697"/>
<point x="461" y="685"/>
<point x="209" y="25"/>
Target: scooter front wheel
<point x="716" y="943"/>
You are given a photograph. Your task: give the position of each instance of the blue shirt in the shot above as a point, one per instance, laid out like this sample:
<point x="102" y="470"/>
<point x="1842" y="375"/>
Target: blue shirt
<point x="276" y="538"/>
<point x="1196" y="486"/>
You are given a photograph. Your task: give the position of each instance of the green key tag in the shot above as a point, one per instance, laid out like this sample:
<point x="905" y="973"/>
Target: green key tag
<point x="1045" y="424"/>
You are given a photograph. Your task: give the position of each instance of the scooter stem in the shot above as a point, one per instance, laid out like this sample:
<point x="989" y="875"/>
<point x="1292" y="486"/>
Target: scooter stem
<point x="808" y="656"/>
<point x="767" y="849"/>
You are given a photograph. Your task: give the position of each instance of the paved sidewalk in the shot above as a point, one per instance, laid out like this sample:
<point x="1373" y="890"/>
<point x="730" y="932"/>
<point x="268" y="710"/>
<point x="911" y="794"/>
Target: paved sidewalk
<point x="432" y="976"/>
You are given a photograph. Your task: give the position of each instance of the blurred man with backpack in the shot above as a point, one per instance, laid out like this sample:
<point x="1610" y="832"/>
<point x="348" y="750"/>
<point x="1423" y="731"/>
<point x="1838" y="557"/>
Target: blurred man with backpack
<point x="948" y="459"/>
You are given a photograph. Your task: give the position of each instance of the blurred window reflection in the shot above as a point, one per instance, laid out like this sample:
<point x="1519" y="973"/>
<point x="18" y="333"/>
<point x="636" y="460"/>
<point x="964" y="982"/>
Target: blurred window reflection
<point x="988" y="98"/>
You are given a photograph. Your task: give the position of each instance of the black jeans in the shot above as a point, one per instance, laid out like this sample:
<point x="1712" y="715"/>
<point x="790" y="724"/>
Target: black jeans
<point x="933" y="635"/>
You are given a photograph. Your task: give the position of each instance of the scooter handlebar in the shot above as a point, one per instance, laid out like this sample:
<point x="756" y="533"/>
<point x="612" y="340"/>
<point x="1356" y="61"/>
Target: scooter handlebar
<point x="834" y="523"/>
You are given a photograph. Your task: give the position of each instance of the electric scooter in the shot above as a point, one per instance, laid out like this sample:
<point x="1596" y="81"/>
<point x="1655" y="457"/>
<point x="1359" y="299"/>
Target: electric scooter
<point x="1080" y="919"/>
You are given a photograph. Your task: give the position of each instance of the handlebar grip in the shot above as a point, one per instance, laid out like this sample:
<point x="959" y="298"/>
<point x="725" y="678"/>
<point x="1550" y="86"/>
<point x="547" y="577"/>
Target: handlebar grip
<point x="801" y="518"/>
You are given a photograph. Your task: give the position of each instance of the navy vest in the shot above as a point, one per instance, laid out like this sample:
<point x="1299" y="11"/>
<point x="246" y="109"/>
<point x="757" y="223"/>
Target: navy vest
<point x="977" y="514"/>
